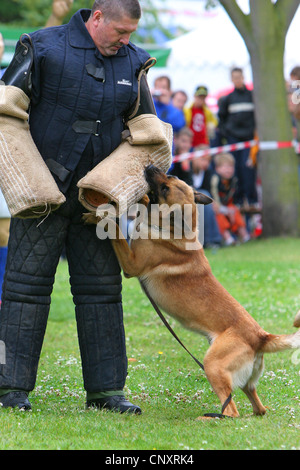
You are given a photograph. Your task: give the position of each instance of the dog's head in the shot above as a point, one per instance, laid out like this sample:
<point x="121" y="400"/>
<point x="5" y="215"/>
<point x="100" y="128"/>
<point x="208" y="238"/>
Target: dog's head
<point x="173" y="196"/>
<point x="168" y="189"/>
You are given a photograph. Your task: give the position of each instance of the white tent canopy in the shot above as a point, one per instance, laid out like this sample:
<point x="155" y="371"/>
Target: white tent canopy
<point x="207" y="54"/>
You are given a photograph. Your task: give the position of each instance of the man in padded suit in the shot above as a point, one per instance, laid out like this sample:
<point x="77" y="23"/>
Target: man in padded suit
<point x="83" y="81"/>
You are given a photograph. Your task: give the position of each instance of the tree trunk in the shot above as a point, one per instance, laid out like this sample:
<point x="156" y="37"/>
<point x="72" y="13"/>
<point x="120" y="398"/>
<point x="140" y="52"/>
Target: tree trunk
<point x="278" y="168"/>
<point x="264" y="32"/>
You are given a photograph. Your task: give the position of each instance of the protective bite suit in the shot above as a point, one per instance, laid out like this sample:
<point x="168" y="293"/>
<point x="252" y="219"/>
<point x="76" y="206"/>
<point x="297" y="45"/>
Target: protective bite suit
<point x="78" y="102"/>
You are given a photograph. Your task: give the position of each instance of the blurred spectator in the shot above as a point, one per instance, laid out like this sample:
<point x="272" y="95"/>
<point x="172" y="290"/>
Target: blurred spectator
<point x="223" y="187"/>
<point x="237" y="124"/>
<point x="294" y="105"/>
<point x="201" y="172"/>
<point x="197" y="174"/>
<point x="1" y="54"/>
<point x="4" y="212"/>
<point x="201" y="177"/>
<point x="179" y="99"/>
<point x="182" y="144"/>
<point x="4" y="235"/>
<point x="162" y="100"/>
<point x="293" y="89"/>
<point x="200" y="118"/>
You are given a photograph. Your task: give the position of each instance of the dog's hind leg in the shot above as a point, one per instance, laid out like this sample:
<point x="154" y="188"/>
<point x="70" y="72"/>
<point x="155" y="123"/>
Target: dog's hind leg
<point x="227" y="364"/>
<point x="221" y="383"/>
<point x="250" y="390"/>
<point x="258" y="407"/>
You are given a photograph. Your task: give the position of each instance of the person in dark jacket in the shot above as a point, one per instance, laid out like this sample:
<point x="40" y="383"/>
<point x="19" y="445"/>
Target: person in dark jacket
<point x="237" y="124"/>
<point x="84" y="81"/>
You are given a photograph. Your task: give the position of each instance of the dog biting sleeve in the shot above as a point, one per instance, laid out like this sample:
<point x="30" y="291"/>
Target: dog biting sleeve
<point x="120" y="176"/>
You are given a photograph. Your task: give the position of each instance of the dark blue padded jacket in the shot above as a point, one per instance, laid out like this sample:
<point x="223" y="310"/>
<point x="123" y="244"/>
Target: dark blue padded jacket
<point x="72" y="83"/>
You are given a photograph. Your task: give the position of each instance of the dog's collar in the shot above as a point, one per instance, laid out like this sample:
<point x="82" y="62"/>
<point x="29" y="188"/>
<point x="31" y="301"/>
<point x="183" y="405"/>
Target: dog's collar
<point x="157" y="227"/>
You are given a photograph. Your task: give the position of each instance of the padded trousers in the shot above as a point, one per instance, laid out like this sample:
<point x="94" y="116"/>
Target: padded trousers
<point x="34" y="250"/>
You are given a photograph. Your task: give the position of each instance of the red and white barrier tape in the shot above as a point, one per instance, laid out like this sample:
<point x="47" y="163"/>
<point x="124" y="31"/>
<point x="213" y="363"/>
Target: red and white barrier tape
<point x="269" y="145"/>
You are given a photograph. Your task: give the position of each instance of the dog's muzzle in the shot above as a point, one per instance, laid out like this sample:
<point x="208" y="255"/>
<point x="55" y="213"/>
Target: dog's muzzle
<point x="152" y="173"/>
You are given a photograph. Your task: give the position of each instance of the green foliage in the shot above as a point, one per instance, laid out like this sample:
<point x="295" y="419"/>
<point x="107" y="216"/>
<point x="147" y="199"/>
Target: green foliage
<point x="10" y="13"/>
<point x="162" y="378"/>
<point x="150" y="20"/>
<point x="34" y="14"/>
<point x="211" y="4"/>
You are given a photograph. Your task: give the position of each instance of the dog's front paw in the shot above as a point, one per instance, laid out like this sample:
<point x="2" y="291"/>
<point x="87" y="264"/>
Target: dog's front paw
<point x="145" y="200"/>
<point x="90" y="218"/>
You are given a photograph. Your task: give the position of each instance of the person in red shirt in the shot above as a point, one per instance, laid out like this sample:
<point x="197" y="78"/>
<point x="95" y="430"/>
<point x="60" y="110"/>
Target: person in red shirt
<point x="200" y="118"/>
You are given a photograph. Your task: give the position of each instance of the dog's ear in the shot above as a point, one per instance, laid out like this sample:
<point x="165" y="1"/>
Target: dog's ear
<point x="145" y="200"/>
<point x="201" y="198"/>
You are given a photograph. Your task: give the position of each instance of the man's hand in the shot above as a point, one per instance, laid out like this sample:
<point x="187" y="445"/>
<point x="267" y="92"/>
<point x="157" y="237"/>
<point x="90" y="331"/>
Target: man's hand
<point x="161" y="94"/>
<point x="60" y="8"/>
<point x="1" y="47"/>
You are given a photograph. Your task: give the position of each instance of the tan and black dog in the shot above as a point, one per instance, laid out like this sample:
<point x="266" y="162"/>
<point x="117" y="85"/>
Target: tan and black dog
<point x="180" y="281"/>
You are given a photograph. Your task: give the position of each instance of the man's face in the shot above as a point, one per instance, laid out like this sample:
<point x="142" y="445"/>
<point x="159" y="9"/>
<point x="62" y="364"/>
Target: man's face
<point x="179" y="100"/>
<point x="237" y="79"/>
<point x="199" y="101"/>
<point x="110" y="35"/>
<point x="183" y="143"/>
<point x="225" y="170"/>
<point x="201" y="163"/>
<point x="161" y="85"/>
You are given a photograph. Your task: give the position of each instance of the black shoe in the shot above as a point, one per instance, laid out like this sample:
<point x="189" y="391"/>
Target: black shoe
<point x="14" y="399"/>
<point x="116" y="403"/>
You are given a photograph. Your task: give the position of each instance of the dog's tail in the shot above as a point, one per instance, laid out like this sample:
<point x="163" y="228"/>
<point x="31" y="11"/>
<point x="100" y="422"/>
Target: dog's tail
<point x="274" y="343"/>
<point x="297" y="320"/>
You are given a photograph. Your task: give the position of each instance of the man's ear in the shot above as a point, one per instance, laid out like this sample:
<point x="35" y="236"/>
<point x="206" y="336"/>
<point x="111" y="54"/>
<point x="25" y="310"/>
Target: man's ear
<point x="202" y="198"/>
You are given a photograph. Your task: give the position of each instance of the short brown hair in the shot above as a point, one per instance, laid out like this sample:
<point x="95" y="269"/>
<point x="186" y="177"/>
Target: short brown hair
<point x="221" y="158"/>
<point x="177" y="92"/>
<point x="296" y="71"/>
<point x="184" y="131"/>
<point x="237" y="69"/>
<point x="112" y="9"/>
<point x="164" y="77"/>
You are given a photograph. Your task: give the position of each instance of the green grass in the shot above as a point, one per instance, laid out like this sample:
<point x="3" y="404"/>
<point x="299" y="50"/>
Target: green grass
<point x="170" y="388"/>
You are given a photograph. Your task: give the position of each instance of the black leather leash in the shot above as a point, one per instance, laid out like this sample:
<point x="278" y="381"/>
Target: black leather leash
<point x="166" y="323"/>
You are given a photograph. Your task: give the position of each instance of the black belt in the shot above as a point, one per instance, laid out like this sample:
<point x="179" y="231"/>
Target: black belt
<point x="59" y="170"/>
<point x="87" y="127"/>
